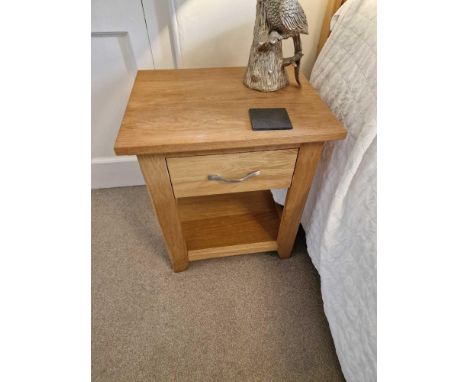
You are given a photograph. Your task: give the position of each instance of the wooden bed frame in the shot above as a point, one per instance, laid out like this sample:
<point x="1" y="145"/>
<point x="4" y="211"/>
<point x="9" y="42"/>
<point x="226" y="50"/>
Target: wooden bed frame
<point x="332" y="7"/>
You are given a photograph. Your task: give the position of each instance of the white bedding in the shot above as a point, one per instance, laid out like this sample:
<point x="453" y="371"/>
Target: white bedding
<point x="340" y="215"/>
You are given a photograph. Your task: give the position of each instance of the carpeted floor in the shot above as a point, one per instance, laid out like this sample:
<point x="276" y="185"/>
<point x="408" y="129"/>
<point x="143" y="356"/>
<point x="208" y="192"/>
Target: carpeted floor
<point x="241" y="318"/>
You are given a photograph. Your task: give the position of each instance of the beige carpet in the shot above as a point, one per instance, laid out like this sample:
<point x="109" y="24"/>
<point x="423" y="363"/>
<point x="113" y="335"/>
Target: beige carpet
<point x="242" y="318"/>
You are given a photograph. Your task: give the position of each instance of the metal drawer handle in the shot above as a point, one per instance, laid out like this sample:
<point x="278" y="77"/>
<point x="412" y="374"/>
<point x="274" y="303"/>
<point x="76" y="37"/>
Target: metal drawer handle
<point x="220" y="178"/>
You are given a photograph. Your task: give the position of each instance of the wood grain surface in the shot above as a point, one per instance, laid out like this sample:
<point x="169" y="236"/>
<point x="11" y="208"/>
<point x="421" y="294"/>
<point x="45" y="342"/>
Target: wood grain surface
<point x="229" y="224"/>
<point x="232" y="250"/>
<point x="307" y="160"/>
<point x="188" y="110"/>
<point x="189" y="175"/>
<point x="159" y="187"/>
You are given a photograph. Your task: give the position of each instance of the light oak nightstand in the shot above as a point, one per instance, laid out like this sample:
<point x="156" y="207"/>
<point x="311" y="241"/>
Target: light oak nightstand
<point x="208" y="174"/>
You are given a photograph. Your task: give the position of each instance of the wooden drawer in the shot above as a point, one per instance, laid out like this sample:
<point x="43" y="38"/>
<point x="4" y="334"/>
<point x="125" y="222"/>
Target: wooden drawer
<point x="189" y="175"/>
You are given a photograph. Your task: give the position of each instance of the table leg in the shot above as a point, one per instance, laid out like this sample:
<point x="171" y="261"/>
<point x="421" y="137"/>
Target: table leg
<point x="158" y="183"/>
<point x="306" y="164"/>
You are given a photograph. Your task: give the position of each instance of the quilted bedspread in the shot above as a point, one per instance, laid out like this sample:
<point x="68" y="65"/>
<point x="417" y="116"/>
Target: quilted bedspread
<point x="340" y="214"/>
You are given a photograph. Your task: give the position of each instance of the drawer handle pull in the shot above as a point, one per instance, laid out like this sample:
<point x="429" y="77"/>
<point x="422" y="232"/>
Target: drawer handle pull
<point x="220" y="178"/>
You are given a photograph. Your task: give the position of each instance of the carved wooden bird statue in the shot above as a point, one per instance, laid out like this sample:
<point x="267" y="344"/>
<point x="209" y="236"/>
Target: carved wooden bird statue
<point x="286" y="18"/>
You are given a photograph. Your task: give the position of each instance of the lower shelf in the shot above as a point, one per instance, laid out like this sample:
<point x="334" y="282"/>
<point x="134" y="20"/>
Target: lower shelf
<point x="229" y="224"/>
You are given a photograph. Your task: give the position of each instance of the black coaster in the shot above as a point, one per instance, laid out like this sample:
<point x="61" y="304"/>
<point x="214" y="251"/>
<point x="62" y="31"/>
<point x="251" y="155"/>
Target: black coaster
<point x="270" y="119"/>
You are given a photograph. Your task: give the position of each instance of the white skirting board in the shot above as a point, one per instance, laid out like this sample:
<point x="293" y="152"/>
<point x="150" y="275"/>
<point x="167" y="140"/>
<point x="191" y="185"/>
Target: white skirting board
<point x="115" y="172"/>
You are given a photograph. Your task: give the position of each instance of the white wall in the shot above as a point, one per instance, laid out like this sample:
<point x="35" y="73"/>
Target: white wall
<point x="219" y="32"/>
<point x="165" y="34"/>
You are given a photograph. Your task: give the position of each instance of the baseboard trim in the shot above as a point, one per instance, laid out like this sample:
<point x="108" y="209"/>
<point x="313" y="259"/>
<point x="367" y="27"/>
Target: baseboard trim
<point x="111" y="172"/>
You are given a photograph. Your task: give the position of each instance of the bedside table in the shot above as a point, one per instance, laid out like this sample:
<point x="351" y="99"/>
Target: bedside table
<point x="208" y="174"/>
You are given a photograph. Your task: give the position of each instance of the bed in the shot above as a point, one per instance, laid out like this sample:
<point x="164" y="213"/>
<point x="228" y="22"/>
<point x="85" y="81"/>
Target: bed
<point x="340" y="214"/>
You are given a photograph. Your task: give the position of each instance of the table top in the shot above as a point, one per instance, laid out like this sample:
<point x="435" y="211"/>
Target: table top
<point x="189" y="110"/>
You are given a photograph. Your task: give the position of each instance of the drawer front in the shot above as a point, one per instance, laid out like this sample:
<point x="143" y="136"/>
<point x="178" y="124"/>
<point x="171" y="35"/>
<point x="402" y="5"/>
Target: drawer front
<point x="237" y="172"/>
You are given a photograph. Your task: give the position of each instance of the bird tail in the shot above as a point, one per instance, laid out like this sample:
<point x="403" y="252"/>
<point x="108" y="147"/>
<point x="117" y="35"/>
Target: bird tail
<point x="298" y="53"/>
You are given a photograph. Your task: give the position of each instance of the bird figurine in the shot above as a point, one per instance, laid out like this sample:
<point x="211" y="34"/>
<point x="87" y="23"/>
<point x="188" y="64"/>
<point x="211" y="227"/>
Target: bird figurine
<point x="285" y="19"/>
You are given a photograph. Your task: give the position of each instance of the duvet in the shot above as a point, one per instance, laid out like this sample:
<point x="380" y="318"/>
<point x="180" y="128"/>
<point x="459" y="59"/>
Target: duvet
<point x="340" y="214"/>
